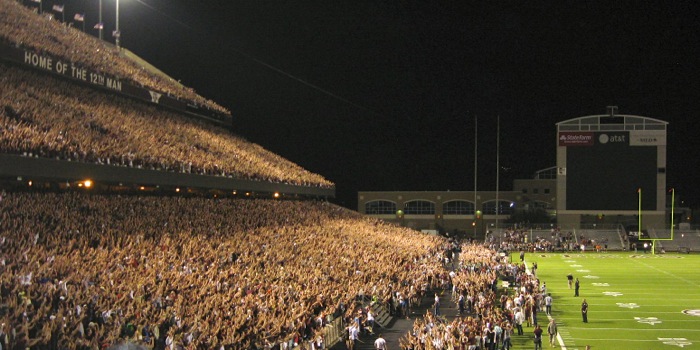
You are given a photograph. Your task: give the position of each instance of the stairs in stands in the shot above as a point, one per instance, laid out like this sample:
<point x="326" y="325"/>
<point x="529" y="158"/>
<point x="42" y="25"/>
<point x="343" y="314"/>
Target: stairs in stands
<point x="381" y="315"/>
<point x="393" y="328"/>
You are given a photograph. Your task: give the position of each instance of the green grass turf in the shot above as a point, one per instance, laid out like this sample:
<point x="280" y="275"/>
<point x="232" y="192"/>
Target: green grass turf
<point x="634" y="299"/>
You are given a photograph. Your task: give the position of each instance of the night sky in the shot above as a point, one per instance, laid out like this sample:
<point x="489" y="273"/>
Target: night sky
<point x="382" y="95"/>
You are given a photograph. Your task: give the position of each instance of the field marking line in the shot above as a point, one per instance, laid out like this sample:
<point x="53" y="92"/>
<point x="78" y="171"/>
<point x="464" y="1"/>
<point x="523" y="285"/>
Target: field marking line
<point x="628" y="340"/>
<point x="640" y="329"/>
<point x="670" y="274"/>
<point x="560" y="340"/>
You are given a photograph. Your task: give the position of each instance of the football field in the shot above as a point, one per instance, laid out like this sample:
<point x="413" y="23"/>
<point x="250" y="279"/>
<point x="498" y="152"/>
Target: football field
<point x="635" y="301"/>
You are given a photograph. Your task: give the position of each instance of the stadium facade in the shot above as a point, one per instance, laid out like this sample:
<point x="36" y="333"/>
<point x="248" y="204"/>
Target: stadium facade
<point x="609" y="168"/>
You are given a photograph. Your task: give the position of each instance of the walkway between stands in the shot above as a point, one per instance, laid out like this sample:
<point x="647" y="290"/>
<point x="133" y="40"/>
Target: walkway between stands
<point x="400" y="326"/>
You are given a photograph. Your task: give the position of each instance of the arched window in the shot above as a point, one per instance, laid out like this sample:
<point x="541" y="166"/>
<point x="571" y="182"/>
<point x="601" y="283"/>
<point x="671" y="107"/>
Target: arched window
<point x="380" y="207"/>
<point x="419" y="207"/>
<point x="504" y="207"/>
<point x="458" y="208"/>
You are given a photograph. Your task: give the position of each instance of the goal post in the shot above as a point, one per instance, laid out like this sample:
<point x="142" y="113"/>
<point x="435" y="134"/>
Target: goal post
<point x="639" y="227"/>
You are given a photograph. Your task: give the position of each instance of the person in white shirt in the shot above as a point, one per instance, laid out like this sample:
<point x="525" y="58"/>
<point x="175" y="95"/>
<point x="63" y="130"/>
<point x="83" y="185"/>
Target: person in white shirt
<point x="519" y="319"/>
<point x="353" y="334"/>
<point x="380" y="343"/>
<point x="370" y="321"/>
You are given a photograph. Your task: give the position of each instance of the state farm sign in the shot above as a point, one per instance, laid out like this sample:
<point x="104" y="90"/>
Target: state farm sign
<point x="577" y="138"/>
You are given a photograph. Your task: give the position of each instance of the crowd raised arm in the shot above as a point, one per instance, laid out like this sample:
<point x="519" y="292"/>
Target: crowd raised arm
<point x="487" y="318"/>
<point x="46" y="117"/>
<point x="86" y="270"/>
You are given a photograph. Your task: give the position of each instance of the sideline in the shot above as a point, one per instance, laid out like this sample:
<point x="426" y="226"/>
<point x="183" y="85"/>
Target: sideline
<point x="549" y="317"/>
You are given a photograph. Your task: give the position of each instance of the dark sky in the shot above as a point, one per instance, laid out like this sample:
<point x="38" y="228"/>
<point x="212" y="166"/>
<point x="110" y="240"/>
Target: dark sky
<point x="382" y="95"/>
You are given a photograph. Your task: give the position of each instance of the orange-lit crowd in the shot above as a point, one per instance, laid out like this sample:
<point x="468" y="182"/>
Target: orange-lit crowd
<point x="488" y="314"/>
<point x="21" y="26"/>
<point x="45" y="117"/>
<point x="84" y="270"/>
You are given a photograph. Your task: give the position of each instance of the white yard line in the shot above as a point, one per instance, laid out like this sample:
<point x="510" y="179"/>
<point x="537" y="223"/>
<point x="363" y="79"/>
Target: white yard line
<point x="560" y="340"/>
<point x="670" y="274"/>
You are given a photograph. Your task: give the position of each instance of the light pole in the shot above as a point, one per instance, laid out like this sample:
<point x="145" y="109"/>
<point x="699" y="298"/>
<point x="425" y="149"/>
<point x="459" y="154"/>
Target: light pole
<point x="100" y="21"/>
<point x="673" y="205"/>
<point x="498" y="164"/>
<point x="117" y="33"/>
<point x="639" y="213"/>
<point x="476" y="144"/>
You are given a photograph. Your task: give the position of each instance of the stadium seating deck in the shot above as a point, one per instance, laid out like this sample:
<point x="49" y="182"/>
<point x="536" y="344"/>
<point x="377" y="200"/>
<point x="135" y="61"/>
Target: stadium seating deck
<point x="45" y="117"/>
<point x="21" y="26"/>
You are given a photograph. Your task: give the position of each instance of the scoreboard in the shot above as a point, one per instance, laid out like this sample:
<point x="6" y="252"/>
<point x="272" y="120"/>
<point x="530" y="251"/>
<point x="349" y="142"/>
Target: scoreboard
<point x="605" y="169"/>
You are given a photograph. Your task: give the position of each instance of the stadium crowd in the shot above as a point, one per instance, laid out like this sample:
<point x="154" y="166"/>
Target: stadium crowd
<point x="21" y="26"/>
<point x="520" y="240"/>
<point x="486" y="320"/>
<point x="80" y="271"/>
<point x="85" y="271"/>
<point x="46" y="117"/>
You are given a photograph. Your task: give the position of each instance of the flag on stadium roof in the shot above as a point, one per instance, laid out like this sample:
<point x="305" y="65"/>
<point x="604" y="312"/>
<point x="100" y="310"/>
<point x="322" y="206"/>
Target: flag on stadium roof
<point x="57" y="8"/>
<point x="79" y="17"/>
<point x="99" y="26"/>
<point x="116" y="33"/>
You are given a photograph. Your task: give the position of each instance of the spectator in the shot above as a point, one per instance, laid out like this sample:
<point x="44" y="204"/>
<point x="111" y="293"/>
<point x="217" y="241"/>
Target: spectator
<point x="44" y="117"/>
<point x="171" y="264"/>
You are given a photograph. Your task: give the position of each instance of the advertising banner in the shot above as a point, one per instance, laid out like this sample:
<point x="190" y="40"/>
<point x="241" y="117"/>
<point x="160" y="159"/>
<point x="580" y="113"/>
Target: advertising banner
<point x="648" y="138"/>
<point x="64" y="68"/>
<point x="576" y="138"/>
<point x="617" y="138"/>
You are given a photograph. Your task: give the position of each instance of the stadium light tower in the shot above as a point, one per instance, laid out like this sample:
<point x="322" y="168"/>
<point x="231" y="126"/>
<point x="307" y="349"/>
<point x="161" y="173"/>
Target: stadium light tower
<point x="100" y="22"/>
<point x="117" y="34"/>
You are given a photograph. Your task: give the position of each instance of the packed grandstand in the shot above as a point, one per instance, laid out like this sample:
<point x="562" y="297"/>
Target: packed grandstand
<point x="88" y="269"/>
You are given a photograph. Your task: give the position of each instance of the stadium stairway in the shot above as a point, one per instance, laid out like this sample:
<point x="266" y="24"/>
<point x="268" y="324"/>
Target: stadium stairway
<point x="397" y="327"/>
<point x="382" y="316"/>
<point x="393" y="328"/>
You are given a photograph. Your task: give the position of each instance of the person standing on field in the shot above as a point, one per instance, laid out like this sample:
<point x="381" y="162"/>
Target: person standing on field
<point x="552" y="331"/>
<point x="519" y="319"/>
<point x="538" y="337"/>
